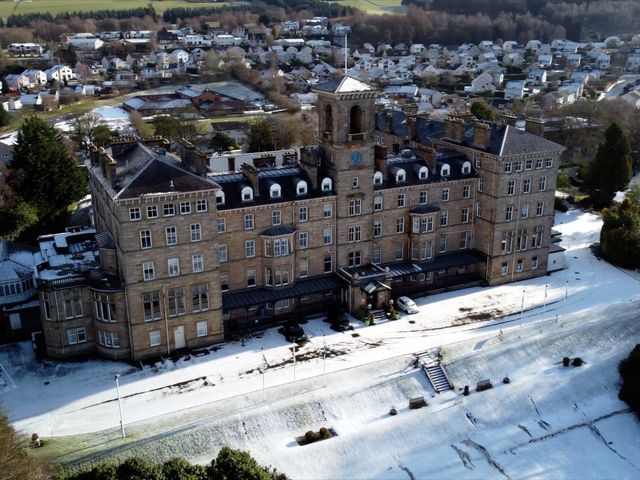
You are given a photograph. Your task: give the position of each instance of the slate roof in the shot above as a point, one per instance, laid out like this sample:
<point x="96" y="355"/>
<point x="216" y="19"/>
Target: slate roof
<point x="343" y="84"/>
<point x="426" y="208"/>
<point x="278" y="230"/>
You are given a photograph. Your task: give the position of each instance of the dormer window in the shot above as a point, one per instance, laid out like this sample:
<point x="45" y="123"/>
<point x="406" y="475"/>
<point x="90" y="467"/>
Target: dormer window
<point x="466" y="168"/>
<point x="401" y="176"/>
<point x="423" y="173"/>
<point x="275" y="191"/>
<point x="445" y="170"/>
<point x="220" y="197"/>
<point x="326" y="185"/>
<point x="377" y="178"/>
<point x="301" y="188"/>
<point x="247" y="194"/>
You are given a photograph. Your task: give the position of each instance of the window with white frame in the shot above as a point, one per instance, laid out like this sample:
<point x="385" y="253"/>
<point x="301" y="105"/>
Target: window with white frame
<point x="303" y="240"/>
<point x="519" y="166"/>
<point x="197" y="261"/>
<point x="524" y="210"/>
<point x="152" y="211"/>
<point x="504" y="268"/>
<point x="401" y="175"/>
<point x="466" y="191"/>
<point x="445" y="170"/>
<point x="326" y="185"/>
<point x="466" y="168"/>
<point x="168" y="209"/>
<point x="148" y="271"/>
<point x="445" y="194"/>
<point x="399" y="251"/>
<point x="154" y="338"/>
<point x="201" y="206"/>
<point x="377" y="254"/>
<point x="377" y="204"/>
<point x="304" y="267"/>
<point x="508" y="214"/>
<point x="464" y="215"/>
<point x="251" y="278"/>
<point x="423" y="173"/>
<point x="185" y="208"/>
<point x="250" y="248"/>
<point x="526" y="185"/>
<point x="248" y="221"/>
<point x="202" y="328"/>
<point x="134" y="214"/>
<point x="401" y="200"/>
<point x="171" y="235"/>
<point x="354" y="233"/>
<point x="275" y="191"/>
<point x="176" y="302"/>
<point x="479" y="209"/>
<point x="444" y="218"/>
<point x="173" y="266"/>
<point x="105" y="307"/>
<point x="76" y="335"/>
<point x="534" y="263"/>
<point x="443" y="244"/>
<point x="511" y="187"/>
<point x="377" y="228"/>
<point x="354" y="258"/>
<point x="538" y="163"/>
<point x="355" y="182"/>
<point x="378" y="178"/>
<point x="424" y="197"/>
<point x="355" y="207"/>
<point x="247" y="194"/>
<point x="301" y="187"/>
<point x="220" y="199"/>
<point x="464" y="240"/>
<point x="327" y="236"/>
<point x="303" y="214"/>
<point x="528" y="164"/>
<point x="327" y="210"/>
<point x="539" y="209"/>
<point x="400" y="225"/>
<point x="222" y="253"/>
<point x="109" y="339"/>
<point x="276" y="217"/>
<point x="224" y="282"/>
<point x="196" y="232"/>
<point x="481" y="185"/>
<point x="151" y="306"/>
<point x="536" y="239"/>
<point x="507" y="167"/>
<point x="549" y="162"/>
<point x="200" y="298"/>
<point x="221" y="225"/>
<point x="542" y="184"/>
<point x="145" y="239"/>
<point x="522" y="240"/>
<point x="519" y="265"/>
<point x="506" y="244"/>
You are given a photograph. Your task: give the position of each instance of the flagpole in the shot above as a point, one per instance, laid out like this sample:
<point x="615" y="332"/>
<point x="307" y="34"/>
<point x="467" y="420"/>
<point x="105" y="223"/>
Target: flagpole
<point x="544" y="305"/>
<point x="262" y="370"/>
<point x="294" y="367"/>
<point x="324" y="359"/>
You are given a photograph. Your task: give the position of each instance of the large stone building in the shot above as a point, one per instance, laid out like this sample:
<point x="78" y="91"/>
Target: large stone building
<point x="386" y="203"/>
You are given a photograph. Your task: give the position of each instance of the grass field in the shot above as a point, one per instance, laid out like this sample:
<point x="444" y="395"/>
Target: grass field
<point x="55" y="6"/>
<point x="375" y="6"/>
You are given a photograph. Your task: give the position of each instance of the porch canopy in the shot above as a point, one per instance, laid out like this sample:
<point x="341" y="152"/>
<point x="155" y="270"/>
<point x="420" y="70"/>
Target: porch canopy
<point x="258" y="296"/>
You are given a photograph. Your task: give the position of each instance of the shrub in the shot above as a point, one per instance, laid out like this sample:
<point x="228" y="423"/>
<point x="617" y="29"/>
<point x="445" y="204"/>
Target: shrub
<point x="559" y="205"/>
<point x="136" y="468"/>
<point x="310" y="436"/>
<point x="629" y="369"/>
<point x="577" y="362"/>
<point x="566" y="361"/>
<point x="325" y="433"/>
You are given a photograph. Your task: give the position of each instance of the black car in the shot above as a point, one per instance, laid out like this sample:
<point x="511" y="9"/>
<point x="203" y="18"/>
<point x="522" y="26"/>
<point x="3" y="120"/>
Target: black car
<point x="341" y="322"/>
<point x="293" y="332"/>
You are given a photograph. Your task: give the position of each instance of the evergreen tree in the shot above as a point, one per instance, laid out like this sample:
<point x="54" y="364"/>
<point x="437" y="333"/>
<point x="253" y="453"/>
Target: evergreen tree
<point x="5" y="119"/>
<point x="481" y="110"/>
<point x="42" y="171"/>
<point x="610" y="171"/>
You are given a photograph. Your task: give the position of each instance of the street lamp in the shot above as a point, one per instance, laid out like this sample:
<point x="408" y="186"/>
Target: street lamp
<point x="116" y="377"/>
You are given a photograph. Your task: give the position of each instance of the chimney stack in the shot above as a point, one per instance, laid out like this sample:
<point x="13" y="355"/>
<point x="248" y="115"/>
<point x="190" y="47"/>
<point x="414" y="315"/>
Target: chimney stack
<point x="535" y="126"/>
<point x="195" y="159"/>
<point x="509" y="119"/>
<point x="251" y="173"/>
<point x="4" y="252"/>
<point x="481" y="135"/>
<point x="454" y="129"/>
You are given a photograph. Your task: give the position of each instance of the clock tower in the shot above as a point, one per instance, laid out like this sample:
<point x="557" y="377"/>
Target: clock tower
<point x="346" y="112"/>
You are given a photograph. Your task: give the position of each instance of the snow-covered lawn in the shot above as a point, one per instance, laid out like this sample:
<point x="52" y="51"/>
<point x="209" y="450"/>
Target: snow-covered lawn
<point x="544" y="424"/>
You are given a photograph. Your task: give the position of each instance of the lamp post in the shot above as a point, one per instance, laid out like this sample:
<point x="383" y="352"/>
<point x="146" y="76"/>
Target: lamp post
<point x="116" y="378"/>
<point x="294" y="367"/>
<point x="544" y="304"/>
<point x="522" y="308"/>
<point x="324" y="359"/>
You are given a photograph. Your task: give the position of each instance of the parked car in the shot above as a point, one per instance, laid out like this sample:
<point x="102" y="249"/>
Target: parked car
<point x="407" y="305"/>
<point x="292" y="332"/>
<point x="341" y="323"/>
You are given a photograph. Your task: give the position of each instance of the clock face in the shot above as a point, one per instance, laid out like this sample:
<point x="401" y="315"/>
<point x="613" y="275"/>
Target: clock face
<point x="356" y="158"/>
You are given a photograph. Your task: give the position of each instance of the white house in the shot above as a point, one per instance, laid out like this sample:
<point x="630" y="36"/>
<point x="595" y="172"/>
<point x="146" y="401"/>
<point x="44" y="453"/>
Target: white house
<point x="17" y="81"/>
<point x="21" y="49"/>
<point x="509" y="46"/>
<point x="603" y="61"/>
<point x="290" y="26"/>
<point x="179" y="56"/>
<point x="534" y="45"/>
<point x="85" y="43"/>
<point x="416" y="48"/>
<point x="574" y="59"/>
<point x="60" y="73"/>
<point x="514" y="90"/>
<point x="545" y="60"/>
<point x="513" y="59"/>
<point x="36" y="77"/>
<point x="482" y="83"/>
<point x="633" y="62"/>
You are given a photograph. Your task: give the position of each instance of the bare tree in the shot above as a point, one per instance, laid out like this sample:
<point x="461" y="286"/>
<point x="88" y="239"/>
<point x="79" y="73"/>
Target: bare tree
<point x="84" y="129"/>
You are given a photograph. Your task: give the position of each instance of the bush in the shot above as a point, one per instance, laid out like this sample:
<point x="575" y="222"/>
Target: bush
<point x="577" y="362"/>
<point x="559" y="205"/>
<point x="629" y="369"/>
<point x="566" y="361"/>
<point x="325" y="433"/>
<point x="310" y="436"/>
<point x="136" y="468"/>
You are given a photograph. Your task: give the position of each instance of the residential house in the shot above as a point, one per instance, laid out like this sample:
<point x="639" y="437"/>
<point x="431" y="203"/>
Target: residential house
<point x="17" y="81"/>
<point x="25" y="49"/>
<point x="514" y="90"/>
<point x="36" y="78"/>
<point x="60" y="73"/>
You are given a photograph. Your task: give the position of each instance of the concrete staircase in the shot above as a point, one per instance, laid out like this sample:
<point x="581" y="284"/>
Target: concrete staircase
<point x="378" y="315"/>
<point x="435" y="373"/>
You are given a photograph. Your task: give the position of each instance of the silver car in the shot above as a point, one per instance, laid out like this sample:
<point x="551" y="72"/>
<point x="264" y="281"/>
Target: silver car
<point x="407" y="305"/>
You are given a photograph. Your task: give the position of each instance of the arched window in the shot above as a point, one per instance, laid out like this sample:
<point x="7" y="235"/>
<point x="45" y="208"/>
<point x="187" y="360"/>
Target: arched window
<point x="275" y="191"/>
<point x="328" y="119"/>
<point x="356" y="124"/>
<point x="301" y="188"/>
<point x="247" y="194"/>
<point x="220" y="197"/>
<point x="423" y="173"/>
<point x="326" y="185"/>
<point x="466" y="168"/>
<point x="445" y="170"/>
<point x="377" y="178"/>
<point x="401" y="176"/>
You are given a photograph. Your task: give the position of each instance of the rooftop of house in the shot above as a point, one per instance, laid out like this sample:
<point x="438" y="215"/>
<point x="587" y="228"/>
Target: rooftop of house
<point x="67" y="255"/>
